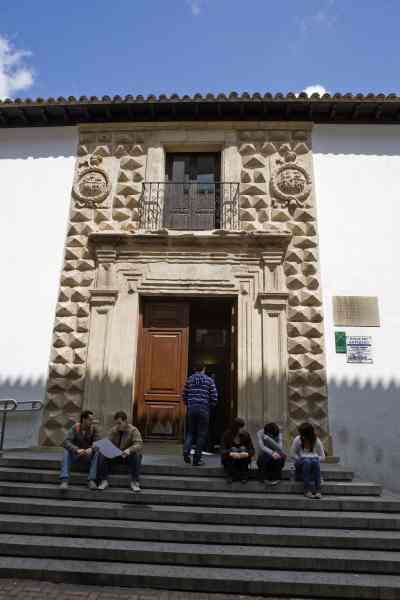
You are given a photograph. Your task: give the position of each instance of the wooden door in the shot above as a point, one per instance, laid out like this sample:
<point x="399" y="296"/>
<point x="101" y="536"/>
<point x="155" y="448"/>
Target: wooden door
<point x="192" y="191"/>
<point x="162" y="369"/>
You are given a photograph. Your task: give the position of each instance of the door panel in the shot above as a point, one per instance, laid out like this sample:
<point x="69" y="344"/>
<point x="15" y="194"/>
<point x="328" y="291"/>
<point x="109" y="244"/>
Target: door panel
<point x="163" y="357"/>
<point x="162" y="368"/>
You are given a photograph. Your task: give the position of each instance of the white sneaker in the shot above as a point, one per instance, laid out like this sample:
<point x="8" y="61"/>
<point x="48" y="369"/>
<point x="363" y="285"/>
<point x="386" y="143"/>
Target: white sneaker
<point x="135" y="486"/>
<point x="103" y="485"/>
<point x="64" y="485"/>
<point x="92" y="485"/>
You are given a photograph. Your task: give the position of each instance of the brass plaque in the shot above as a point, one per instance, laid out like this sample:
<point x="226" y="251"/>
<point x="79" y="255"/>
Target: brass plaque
<point x="356" y="311"/>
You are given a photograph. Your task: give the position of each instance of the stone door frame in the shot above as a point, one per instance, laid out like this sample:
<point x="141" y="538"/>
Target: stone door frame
<point x="247" y="266"/>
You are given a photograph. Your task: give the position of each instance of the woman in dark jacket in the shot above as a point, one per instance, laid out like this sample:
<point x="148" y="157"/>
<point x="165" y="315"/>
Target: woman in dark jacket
<point x="237" y="452"/>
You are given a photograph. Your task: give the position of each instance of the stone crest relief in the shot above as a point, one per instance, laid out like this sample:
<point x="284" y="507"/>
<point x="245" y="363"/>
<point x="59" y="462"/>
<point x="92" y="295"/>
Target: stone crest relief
<point x="290" y="183"/>
<point x="92" y="184"/>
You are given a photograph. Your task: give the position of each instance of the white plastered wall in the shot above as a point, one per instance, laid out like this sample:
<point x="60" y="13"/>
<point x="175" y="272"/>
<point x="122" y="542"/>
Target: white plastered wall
<point x="36" y="173"/>
<point x="357" y="171"/>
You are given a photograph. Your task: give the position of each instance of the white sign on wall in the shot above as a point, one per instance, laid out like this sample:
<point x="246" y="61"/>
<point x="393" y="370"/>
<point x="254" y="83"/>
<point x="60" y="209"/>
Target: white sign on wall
<point x="359" y="349"/>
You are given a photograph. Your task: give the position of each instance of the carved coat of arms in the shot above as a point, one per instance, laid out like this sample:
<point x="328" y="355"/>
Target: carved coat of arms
<point x="92" y="184"/>
<point x="290" y="183"/>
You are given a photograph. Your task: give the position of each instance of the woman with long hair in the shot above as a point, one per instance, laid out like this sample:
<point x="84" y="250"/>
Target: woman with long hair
<point x="271" y="457"/>
<point x="308" y="452"/>
<point x="237" y="452"/>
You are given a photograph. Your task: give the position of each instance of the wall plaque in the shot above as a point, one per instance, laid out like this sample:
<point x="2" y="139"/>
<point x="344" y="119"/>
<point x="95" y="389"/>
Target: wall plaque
<point x="356" y="311"/>
<point x="359" y="349"/>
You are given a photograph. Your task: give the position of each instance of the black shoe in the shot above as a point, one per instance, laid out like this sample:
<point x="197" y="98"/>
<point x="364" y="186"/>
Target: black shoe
<point x="198" y="463"/>
<point x="244" y="480"/>
<point x="187" y="459"/>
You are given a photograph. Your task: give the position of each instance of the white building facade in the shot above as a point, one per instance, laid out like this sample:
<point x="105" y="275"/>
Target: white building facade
<point x="197" y="230"/>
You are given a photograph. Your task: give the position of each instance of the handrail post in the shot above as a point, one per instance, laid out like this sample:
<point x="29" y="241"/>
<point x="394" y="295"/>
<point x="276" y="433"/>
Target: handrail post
<point x="3" y="427"/>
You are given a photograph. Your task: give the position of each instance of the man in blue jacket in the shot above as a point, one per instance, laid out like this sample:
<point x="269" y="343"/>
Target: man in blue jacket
<point x="199" y="395"/>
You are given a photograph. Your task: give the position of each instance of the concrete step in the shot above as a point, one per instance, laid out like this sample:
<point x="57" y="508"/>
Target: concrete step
<point x="331" y="472"/>
<point x="167" y="482"/>
<point x="304" y="515"/>
<point x="210" y="555"/>
<point x="337" y="495"/>
<point x="198" y="533"/>
<point x="207" y="579"/>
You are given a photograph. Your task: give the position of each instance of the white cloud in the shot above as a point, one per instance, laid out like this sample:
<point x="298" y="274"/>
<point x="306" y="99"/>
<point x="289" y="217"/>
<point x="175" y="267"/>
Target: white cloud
<point x="15" y="74"/>
<point x="195" y="6"/>
<point x="321" y="19"/>
<point x="316" y="88"/>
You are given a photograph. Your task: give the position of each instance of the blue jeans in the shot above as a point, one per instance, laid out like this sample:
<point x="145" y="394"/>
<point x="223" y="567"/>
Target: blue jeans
<point x="70" y="457"/>
<point x="308" y="470"/>
<point x="132" y="462"/>
<point x="197" y="428"/>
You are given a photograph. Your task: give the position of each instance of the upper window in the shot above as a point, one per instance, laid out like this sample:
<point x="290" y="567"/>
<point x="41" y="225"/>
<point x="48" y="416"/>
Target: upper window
<point x="192" y="199"/>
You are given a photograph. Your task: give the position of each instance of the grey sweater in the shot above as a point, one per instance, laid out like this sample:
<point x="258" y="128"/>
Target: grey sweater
<point x="267" y="444"/>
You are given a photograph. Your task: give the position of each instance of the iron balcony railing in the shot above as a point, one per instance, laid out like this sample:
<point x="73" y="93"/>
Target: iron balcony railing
<point x="189" y="205"/>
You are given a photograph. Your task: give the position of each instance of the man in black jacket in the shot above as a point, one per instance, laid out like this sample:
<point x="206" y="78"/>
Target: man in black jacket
<point x="78" y="446"/>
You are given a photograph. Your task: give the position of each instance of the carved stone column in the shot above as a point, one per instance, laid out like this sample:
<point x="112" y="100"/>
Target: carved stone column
<point x="275" y="362"/>
<point x="102" y="301"/>
<point x="273" y="304"/>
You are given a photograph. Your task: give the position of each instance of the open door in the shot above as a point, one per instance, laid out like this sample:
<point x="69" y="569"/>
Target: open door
<point x="162" y="369"/>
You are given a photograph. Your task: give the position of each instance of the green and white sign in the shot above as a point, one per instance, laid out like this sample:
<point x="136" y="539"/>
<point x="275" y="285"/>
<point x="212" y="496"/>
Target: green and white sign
<point x="340" y="342"/>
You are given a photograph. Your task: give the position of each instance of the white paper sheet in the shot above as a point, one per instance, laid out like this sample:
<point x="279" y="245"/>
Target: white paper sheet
<point x="107" y="448"/>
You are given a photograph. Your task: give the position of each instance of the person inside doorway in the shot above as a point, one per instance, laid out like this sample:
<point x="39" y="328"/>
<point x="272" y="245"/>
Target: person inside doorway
<point x="200" y="396"/>
<point x="127" y="438"/>
<point x="237" y="452"/>
<point x="307" y="452"/>
<point x="271" y="457"/>
<point x="78" y="447"/>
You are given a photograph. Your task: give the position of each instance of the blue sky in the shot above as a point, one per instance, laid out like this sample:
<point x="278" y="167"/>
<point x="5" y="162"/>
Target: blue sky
<point x="97" y="47"/>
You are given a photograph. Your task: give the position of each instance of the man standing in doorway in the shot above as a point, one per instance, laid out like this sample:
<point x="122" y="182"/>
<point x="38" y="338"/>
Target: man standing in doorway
<point x="199" y="395"/>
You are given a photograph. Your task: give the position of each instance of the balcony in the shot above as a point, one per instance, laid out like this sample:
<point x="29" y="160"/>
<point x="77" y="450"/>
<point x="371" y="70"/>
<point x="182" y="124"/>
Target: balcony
<point x="189" y="206"/>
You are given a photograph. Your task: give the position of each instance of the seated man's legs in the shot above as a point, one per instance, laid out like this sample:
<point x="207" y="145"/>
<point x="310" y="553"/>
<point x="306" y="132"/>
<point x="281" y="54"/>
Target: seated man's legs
<point x="69" y="457"/>
<point x="103" y="467"/>
<point x="134" y="462"/>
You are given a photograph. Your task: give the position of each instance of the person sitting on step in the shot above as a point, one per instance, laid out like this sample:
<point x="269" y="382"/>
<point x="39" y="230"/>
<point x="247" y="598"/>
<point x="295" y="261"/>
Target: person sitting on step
<point x="271" y="457"/>
<point x="78" y="447"/>
<point x="307" y="452"/>
<point x="127" y="438"/>
<point x="237" y="452"/>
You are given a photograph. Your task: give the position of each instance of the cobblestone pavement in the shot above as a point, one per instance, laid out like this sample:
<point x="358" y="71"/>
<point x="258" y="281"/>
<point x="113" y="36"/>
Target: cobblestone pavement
<point x="26" y="589"/>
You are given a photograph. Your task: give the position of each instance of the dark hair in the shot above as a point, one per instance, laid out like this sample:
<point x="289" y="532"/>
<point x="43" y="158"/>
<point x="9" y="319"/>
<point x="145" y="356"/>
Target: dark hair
<point x="85" y="414"/>
<point x="307" y="435"/>
<point x="199" y="366"/>
<point x="121" y="415"/>
<point x="236" y="425"/>
<point x="232" y="432"/>
<point x="272" y="430"/>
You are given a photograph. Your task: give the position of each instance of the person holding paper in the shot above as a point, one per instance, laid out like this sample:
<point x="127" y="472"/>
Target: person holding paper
<point x="78" y="447"/>
<point x="128" y="440"/>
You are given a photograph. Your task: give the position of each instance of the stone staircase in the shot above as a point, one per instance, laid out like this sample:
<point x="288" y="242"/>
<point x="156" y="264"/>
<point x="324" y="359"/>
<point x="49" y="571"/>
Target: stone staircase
<point x="189" y="530"/>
